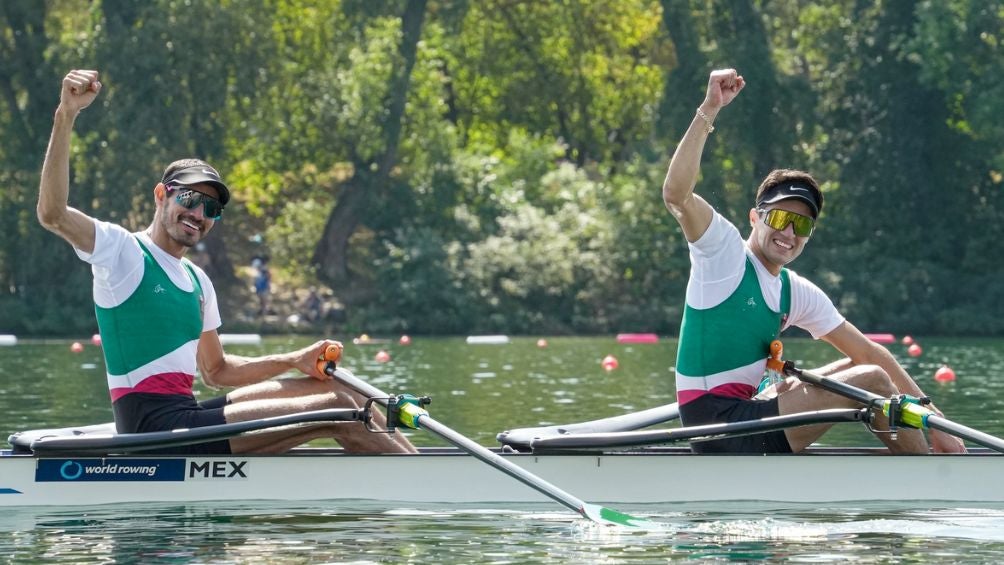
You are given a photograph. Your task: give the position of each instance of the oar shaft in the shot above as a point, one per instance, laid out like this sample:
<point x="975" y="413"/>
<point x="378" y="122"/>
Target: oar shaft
<point x="523" y="437"/>
<point x="127" y="443"/>
<point x="843" y="389"/>
<point x="480" y="452"/>
<point x="502" y="464"/>
<point x="986" y="440"/>
<point x="923" y="415"/>
<point x="706" y="432"/>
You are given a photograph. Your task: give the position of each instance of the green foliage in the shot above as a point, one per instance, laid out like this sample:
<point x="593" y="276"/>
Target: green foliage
<point x="524" y="191"/>
<point x="292" y="237"/>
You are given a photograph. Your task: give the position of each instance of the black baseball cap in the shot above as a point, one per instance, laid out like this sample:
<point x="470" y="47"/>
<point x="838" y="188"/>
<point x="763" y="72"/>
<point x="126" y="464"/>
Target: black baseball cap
<point x="197" y="174"/>
<point x="798" y="190"/>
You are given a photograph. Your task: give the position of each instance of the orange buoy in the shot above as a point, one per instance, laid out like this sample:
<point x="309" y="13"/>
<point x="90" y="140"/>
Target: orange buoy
<point x="76" y="347"/>
<point x="405" y="340"/>
<point x="907" y="340"/>
<point x="541" y="342"/>
<point x="382" y="356"/>
<point x="610" y="363"/>
<point x="914" y="350"/>
<point x="944" y="375"/>
<point x="96" y="340"/>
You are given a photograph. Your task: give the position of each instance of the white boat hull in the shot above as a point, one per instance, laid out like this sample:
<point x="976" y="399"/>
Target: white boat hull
<point x="444" y="475"/>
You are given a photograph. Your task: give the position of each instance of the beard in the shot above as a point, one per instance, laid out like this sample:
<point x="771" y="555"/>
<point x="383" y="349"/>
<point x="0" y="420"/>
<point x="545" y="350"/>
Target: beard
<point x="176" y="229"/>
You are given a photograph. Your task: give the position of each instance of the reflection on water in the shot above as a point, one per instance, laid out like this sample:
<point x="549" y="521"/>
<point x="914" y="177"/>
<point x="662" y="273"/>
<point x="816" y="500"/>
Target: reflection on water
<point x="481" y="390"/>
<point x="279" y="533"/>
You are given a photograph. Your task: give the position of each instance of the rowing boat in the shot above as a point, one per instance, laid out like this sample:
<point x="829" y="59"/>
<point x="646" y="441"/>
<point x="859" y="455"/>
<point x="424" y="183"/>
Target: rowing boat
<point x="446" y="475"/>
<point x="601" y="461"/>
<point x="72" y="466"/>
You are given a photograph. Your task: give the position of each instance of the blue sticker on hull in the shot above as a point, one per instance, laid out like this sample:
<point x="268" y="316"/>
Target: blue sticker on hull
<point x="9" y="491"/>
<point x="116" y="470"/>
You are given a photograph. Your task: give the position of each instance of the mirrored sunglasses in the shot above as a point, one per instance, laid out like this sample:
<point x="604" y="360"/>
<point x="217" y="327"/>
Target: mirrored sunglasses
<point x="211" y="207"/>
<point x="779" y="220"/>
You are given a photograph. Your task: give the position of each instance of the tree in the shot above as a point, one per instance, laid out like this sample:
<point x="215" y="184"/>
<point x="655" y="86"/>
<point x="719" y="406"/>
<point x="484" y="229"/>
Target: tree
<point x="371" y="172"/>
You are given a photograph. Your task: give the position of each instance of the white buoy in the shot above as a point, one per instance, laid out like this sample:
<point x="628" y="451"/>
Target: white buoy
<point x="8" y="339"/>
<point x="240" y="339"/>
<point x="487" y="339"/>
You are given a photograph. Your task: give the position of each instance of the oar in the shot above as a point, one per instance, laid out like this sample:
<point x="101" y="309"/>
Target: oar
<point x="419" y="418"/>
<point x="523" y="437"/>
<point x="638" y="438"/>
<point x="911" y="414"/>
<point x="104" y="443"/>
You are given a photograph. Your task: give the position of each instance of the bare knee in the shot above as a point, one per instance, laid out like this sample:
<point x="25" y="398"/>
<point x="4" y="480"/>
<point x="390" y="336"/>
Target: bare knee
<point x="872" y="378"/>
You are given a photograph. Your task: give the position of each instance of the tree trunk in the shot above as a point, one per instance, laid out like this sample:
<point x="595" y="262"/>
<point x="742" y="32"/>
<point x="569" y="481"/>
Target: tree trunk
<point x="685" y="85"/>
<point x="331" y="254"/>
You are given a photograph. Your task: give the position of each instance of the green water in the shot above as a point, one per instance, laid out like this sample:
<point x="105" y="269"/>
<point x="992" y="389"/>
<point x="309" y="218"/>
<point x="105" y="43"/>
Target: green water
<point x="480" y="390"/>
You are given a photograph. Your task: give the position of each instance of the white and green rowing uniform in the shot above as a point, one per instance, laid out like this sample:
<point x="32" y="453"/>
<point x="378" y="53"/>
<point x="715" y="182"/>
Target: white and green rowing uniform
<point x="735" y="308"/>
<point x="151" y="308"/>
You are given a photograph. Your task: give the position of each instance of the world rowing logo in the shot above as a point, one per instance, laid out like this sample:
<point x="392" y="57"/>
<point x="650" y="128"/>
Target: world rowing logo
<point x="71" y="470"/>
<point x="112" y="470"/>
<point x="159" y="289"/>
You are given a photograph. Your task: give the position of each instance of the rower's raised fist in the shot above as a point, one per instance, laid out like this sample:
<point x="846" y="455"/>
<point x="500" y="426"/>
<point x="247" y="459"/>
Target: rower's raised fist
<point x="723" y="86"/>
<point x="80" y="88"/>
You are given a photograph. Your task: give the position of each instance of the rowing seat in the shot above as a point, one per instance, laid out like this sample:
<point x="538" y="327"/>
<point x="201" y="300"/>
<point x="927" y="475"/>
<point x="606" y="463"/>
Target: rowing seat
<point x="21" y="441"/>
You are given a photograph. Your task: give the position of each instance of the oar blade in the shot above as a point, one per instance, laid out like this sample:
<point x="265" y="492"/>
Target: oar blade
<point x="610" y="517"/>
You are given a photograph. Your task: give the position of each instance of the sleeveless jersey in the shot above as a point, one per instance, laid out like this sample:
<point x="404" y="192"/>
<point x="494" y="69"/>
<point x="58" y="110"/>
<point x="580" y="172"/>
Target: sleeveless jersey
<point x="152" y="334"/>
<point x="723" y="349"/>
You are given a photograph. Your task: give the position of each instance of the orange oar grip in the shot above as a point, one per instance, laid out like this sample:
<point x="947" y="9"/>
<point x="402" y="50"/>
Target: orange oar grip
<point x="774" y="362"/>
<point x="332" y="353"/>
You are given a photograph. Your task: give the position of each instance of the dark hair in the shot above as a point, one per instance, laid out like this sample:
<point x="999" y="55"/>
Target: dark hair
<point x="779" y="176"/>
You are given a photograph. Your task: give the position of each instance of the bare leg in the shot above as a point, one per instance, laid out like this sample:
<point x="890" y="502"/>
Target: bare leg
<point x="802" y="397"/>
<point x="289" y="396"/>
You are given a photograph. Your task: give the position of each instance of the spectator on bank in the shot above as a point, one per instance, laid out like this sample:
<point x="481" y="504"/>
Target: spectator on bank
<point x="263" y="286"/>
<point x="313" y="306"/>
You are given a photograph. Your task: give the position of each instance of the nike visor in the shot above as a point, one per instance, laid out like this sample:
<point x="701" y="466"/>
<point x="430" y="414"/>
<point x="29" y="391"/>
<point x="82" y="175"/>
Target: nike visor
<point x="793" y="190"/>
<point x="198" y="174"/>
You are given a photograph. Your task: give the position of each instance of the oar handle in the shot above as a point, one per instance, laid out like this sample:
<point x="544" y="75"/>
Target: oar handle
<point x="774" y="362"/>
<point x="332" y="354"/>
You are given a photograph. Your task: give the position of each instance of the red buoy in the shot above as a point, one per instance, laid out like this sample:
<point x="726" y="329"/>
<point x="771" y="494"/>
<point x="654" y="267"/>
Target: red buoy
<point x="405" y="340"/>
<point x="96" y="340"/>
<point x="541" y="342"/>
<point x="382" y="356"/>
<point x="914" y="350"/>
<point x="944" y="375"/>
<point x="77" y="347"/>
<point x="907" y="340"/>
<point x="609" y="363"/>
<point x="881" y="338"/>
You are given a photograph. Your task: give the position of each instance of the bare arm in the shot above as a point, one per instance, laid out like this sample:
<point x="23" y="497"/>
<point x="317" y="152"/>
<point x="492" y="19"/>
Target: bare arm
<point x="79" y="89"/>
<point x="220" y="369"/>
<point x="691" y="211"/>
<point x="861" y="350"/>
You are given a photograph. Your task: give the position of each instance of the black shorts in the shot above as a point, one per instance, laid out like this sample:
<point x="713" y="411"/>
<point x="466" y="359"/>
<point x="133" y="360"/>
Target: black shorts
<point x="713" y="409"/>
<point x="144" y="412"/>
